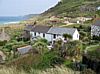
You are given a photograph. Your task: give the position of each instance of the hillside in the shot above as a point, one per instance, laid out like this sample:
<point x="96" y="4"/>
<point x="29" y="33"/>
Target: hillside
<point x="30" y="15"/>
<point x="74" y="8"/>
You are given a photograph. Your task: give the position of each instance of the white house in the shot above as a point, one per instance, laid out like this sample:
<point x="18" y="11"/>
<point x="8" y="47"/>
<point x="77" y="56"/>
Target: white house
<point x="52" y="33"/>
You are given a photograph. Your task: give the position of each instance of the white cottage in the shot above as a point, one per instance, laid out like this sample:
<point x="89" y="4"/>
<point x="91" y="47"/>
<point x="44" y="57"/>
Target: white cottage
<point x="52" y="33"/>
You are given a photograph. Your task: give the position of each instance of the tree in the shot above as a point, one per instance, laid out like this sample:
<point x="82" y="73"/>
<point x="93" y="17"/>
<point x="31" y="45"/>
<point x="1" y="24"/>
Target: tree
<point x="67" y="36"/>
<point x="73" y="48"/>
<point x="58" y="45"/>
<point x="40" y="46"/>
<point x="82" y="35"/>
<point x="98" y="12"/>
<point x="50" y="59"/>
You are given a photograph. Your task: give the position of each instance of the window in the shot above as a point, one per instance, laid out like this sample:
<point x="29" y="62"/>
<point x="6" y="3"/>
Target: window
<point x="43" y="35"/>
<point x="54" y="36"/>
<point x="35" y="33"/>
<point x="77" y="35"/>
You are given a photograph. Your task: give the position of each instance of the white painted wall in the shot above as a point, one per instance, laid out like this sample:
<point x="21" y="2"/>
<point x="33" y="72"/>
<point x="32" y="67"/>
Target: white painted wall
<point x="37" y="34"/>
<point x="49" y="37"/>
<point x="32" y="33"/>
<point x="75" y="35"/>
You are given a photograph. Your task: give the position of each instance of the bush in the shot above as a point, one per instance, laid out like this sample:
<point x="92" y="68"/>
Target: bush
<point x="6" y="50"/>
<point x="96" y="38"/>
<point x="9" y="46"/>
<point x="50" y="59"/>
<point x="68" y="63"/>
<point x="44" y="40"/>
<point x="2" y="43"/>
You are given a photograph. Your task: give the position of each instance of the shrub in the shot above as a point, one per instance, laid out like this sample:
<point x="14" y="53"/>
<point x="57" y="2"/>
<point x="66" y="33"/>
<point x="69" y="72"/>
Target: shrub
<point x="9" y="46"/>
<point x="44" y="41"/>
<point x="2" y="43"/>
<point x="40" y="47"/>
<point x="96" y="38"/>
<point x="50" y="59"/>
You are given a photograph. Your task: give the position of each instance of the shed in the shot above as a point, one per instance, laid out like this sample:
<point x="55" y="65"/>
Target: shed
<point x="24" y="50"/>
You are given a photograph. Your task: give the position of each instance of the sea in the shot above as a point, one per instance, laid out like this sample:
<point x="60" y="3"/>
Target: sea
<point x="9" y="20"/>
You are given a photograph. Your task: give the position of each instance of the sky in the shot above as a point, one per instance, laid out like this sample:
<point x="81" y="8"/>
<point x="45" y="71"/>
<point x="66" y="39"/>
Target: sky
<point x="24" y="7"/>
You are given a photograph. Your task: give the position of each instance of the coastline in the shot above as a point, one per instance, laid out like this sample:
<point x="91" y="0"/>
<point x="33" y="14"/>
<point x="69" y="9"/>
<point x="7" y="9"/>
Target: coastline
<point x="13" y="25"/>
<point x="9" y="23"/>
<point x="14" y="22"/>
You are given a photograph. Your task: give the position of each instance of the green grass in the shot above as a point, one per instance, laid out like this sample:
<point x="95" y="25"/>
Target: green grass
<point x="93" y="52"/>
<point x="92" y="47"/>
<point x="72" y="8"/>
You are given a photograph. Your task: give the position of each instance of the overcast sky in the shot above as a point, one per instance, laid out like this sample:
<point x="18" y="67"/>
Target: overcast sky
<point x="24" y="7"/>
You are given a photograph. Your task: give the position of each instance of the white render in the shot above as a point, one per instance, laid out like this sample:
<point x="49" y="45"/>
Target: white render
<point x="49" y="37"/>
<point x="75" y="35"/>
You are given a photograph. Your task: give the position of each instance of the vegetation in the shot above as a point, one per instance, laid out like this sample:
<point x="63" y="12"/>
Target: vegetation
<point x="44" y="59"/>
<point x="67" y="36"/>
<point x="56" y="70"/>
<point x="40" y="45"/>
<point x="88" y="71"/>
<point x="94" y="52"/>
<point x="41" y="60"/>
<point x="74" y="8"/>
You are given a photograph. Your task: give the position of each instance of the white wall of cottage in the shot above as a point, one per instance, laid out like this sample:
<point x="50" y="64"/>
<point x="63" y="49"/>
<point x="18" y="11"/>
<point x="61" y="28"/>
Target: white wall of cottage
<point x="75" y="35"/>
<point x="50" y="37"/>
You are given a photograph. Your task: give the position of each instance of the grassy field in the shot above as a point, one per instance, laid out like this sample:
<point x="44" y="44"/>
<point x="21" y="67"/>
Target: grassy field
<point x="74" y="8"/>
<point x="57" y="70"/>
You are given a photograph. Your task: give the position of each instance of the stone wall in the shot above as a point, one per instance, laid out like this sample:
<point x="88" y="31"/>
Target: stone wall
<point x="95" y="30"/>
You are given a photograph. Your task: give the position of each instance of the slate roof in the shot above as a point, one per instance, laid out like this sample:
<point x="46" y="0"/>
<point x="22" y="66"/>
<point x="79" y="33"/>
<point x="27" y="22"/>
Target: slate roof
<point x="97" y="23"/>
<point x="61" y="31"/>
<point x="51" y="30"/>
<point x="29" y="27"/>
<point x="41" y="28"/>
<point x="24" y="50"/>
